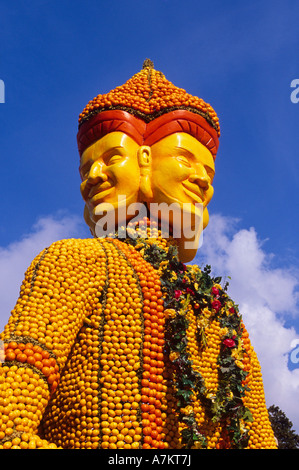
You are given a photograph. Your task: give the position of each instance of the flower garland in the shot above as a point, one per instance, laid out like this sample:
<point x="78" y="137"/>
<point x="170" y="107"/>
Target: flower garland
<point x="186" y="287"/>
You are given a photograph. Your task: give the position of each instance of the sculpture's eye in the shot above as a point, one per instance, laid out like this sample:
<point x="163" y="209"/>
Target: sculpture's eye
<point x="84" y="170"/>
<point x="184" y="161"/>
<point x="113" y="159"/>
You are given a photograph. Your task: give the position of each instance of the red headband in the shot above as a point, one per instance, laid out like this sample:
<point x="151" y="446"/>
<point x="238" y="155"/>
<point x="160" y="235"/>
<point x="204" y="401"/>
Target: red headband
<point x="147" y="133"/>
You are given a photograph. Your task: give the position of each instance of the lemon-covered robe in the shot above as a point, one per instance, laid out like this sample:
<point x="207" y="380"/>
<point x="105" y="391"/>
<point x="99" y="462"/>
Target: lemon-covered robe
<point x="116" y="344"/>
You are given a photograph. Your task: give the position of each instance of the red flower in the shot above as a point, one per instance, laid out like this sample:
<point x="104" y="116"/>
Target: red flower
<point x="231" y="310"/>
<point x="189" y="291"/>
<point x="229" y="342"/>
<point x="177" y="294"/>
<point x="216" y="305"/>
<point x="215" y="290"/>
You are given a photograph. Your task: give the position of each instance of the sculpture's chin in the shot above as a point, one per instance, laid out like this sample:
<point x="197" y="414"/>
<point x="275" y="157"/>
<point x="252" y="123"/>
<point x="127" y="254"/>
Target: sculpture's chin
<point x="206" y="218"/>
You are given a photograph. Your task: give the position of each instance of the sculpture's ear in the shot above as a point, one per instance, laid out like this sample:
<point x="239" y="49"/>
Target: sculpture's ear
<point x="144" y="156"/>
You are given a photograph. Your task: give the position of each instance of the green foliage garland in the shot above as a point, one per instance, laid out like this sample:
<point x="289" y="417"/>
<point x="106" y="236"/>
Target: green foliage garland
<point x="186" y="287"/>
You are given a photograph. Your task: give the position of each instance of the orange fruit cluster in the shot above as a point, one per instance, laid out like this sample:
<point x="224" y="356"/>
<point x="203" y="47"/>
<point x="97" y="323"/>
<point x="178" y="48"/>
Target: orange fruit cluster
<point x="260" y="431"/>
<point x="104" y="410"/>
<point x="23" y="398"/>
<point x="147" y="94"/>
<point x="36" y="356"/>
<point x="205" y="361"/>
<point x="152" y="388"/>
<point x="87" y="364"/>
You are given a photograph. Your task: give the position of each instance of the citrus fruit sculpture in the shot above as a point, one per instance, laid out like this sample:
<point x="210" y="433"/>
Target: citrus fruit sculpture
<point x="115" y="342"/>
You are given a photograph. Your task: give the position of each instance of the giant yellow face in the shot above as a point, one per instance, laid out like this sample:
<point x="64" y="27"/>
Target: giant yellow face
<point x="110" y="175"/>
<point x="178" y="170"/>
<point x="182" y="173"/>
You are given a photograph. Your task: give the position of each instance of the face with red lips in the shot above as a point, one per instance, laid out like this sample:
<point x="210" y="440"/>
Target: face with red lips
<point x="182" y="172"/>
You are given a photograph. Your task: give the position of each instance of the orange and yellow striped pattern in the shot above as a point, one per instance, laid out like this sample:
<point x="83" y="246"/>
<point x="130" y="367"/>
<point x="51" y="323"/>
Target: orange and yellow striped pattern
<point x="87" y="365"/>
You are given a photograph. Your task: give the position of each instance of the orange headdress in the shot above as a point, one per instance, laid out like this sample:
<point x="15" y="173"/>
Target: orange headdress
<point x="148" y="107"/>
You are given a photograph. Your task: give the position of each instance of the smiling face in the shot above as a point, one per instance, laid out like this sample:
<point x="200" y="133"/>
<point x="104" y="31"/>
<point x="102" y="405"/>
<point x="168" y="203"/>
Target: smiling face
<point x="116" y="172"/>
<point x="182" y="171"/>
<point x="182" y="174"/>
<point x="110" y="174"/>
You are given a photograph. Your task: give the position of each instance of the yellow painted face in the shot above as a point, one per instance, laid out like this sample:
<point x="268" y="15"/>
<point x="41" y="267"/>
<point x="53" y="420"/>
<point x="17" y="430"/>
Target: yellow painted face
<point x="110" y="174"/>
<point x="117" y="172"/>
<point x="182" y="171"/>
<point x="182" y="174"/>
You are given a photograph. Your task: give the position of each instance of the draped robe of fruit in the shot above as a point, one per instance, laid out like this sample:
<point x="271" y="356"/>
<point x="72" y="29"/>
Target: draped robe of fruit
<point x="115" y="343"/>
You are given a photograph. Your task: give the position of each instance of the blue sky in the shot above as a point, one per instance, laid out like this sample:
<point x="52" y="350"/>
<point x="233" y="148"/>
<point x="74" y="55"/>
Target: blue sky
<point x="239" y="56"/>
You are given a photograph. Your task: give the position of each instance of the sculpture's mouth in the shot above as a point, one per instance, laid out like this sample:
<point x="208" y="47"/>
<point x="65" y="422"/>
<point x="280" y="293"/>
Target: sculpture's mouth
<point x="98" y="192"/>
<point x="99" y="197"/>
<point x="98" y="188"/>
<point x="193" y="191"/>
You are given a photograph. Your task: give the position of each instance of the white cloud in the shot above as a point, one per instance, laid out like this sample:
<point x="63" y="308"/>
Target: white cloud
<point x="17" y="256"/>
<point x="266" y="296"/>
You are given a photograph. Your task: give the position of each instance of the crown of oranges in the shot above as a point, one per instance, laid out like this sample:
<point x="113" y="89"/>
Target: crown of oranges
<point x="148" y="94"/>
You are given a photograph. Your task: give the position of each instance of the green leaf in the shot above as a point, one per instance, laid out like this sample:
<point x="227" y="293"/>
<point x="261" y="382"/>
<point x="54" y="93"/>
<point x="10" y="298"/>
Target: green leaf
<point x="247" y="416"/>
<point x="201" y="336"/>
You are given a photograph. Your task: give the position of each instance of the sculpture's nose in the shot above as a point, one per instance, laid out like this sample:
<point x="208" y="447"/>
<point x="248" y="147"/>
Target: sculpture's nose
<point x="96" y="174"/>
<point x="201" y="179"/>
